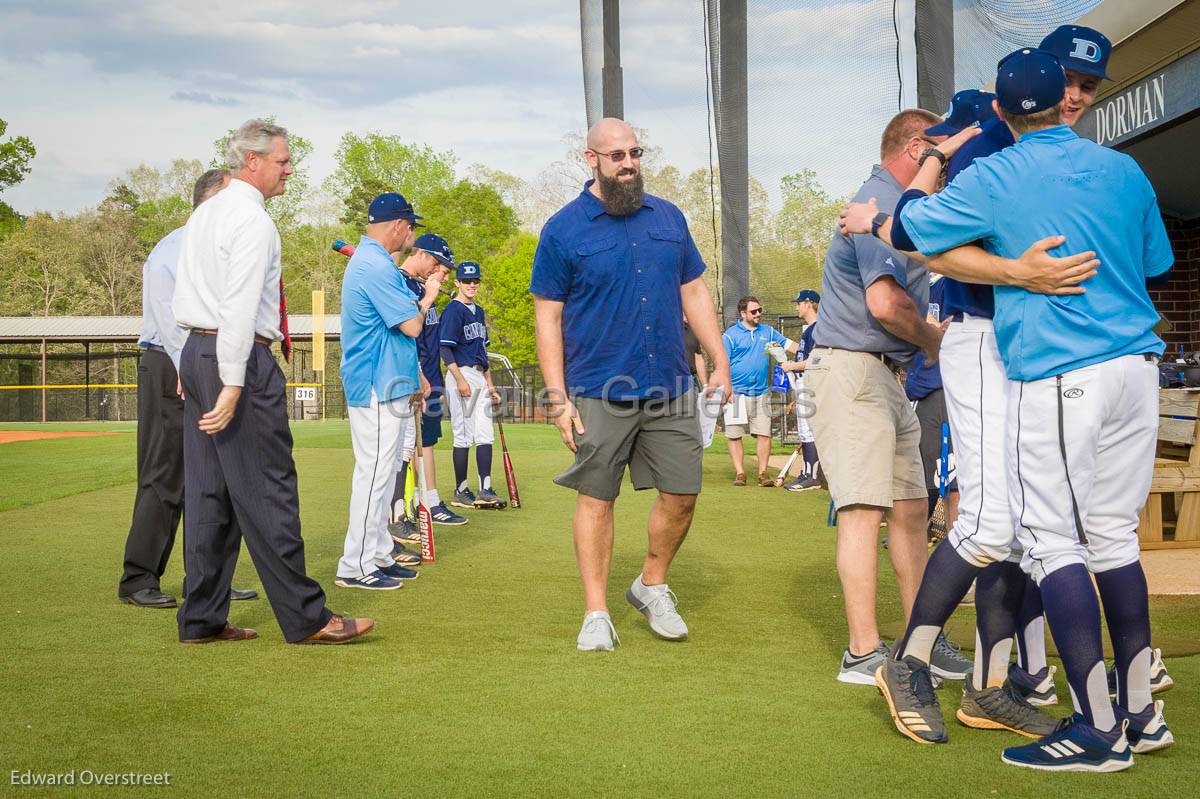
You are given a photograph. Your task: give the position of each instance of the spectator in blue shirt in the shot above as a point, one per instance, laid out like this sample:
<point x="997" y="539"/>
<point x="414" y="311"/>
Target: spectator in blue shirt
<point x="746" y="345"/>
<point x="614" y="274"/>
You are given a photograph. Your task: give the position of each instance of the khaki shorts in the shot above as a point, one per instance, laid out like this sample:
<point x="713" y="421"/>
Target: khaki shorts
<point x="866" y="430"/>
<point x="659" y="442"/>
<point x="758" y="417"/>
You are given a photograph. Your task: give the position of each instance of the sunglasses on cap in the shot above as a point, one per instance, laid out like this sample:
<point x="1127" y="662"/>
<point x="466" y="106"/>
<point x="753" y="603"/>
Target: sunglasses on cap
<point x="617" y="156"/>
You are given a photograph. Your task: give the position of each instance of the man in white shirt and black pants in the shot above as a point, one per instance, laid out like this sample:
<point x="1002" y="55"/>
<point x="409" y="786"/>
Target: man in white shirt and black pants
<point x="239" y="469"/>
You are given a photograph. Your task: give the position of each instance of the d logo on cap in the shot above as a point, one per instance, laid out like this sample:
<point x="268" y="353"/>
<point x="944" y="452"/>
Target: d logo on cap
<point x="1086" y="50"/>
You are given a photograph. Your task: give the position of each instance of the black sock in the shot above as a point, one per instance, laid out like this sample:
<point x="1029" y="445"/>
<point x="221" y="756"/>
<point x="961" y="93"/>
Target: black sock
<point x="483" y="460"/>
<point x="398" y="491"/>
<point x="809" y="449"/>
<point x="1127" y="611"/>
<point x="947" y="579"/>
<point x="933" y="501"/>
<point x="998" y="591"/>
<point x="1073" y="612"/>
<point x="461" y="455"/>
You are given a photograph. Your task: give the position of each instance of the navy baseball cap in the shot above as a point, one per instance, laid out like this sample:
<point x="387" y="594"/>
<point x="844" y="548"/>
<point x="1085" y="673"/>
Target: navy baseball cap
<point x="1079" y="48"/>
<point x="962" y="114"/>
<point x="1029" y="81"/>
<point x="436" y="246"/>
<point x="808" y="295"/>
<point x="392" y="205"/>
<point x="468" y="270"/>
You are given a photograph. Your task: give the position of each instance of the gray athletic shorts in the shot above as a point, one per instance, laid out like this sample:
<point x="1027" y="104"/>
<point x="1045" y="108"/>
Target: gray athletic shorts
<point x="658" y="440"/>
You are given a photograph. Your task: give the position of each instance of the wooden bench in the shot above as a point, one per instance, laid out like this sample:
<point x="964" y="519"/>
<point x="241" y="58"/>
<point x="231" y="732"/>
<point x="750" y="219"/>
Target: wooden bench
<point x="1171" y="516"/>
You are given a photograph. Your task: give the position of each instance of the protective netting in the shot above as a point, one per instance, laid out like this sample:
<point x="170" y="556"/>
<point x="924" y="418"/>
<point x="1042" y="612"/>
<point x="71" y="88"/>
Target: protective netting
<point x="824" y="78"/>
<point x="987" y="30"/>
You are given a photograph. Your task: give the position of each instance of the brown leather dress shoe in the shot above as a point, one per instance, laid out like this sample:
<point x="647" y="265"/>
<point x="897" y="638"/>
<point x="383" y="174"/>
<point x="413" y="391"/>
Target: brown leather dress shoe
<point x="339" y="630"/>
<point x="230" y="633"/>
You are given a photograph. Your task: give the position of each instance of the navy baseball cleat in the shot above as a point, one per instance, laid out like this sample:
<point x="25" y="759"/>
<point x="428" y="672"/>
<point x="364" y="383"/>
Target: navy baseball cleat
<point x="1036" y="689"/>
<point x="488" y="499"/>
<point x="405" y="556"/>
<point x="375" y="581"/>
<point x="1074" y="746"/>
<point x="443" y="515"/>
<point x="1147" y="730"/>
<point x="1160" y="680"/>
<point x="398" y="572"/>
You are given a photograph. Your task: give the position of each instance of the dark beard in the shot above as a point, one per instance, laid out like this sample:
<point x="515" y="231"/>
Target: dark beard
<point x="621" y="198"/>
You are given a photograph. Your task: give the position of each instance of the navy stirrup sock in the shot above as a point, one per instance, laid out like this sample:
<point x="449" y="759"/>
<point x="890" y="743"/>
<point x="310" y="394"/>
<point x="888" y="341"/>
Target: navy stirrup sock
<point x="1127" y="611"/>
<point x="461" y="456"/>
<point x="998" y="592"/>
<point x="947" y="579"/>
<point x="483" y="461"/>
<point x="1073" y="611"/>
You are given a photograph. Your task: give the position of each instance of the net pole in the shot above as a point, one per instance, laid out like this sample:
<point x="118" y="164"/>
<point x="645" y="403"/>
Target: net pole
<point x="613" y="81"/>
<point x="733" y="154"/>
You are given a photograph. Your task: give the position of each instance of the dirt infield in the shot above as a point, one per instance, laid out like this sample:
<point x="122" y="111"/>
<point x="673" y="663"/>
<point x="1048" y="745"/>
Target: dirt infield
<point x="9" y="436"/>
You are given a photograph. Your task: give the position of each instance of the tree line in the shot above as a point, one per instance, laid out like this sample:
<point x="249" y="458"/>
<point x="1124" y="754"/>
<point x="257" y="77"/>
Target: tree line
<point x="89" y="263"/>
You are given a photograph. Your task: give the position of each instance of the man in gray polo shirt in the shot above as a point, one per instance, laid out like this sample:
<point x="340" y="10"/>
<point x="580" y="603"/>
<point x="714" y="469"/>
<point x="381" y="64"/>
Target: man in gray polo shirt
<point x="871" y="322"/>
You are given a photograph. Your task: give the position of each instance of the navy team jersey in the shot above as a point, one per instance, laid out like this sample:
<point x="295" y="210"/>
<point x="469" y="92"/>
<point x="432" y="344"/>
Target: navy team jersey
<point x="429" y="342"/>
<point x="806" y="342"/>
<point x="923" y="379"/>
<point x="464" y="330"/>
<point x="972" y="298"/>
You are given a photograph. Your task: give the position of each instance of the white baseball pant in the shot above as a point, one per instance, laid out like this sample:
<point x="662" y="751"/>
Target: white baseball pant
<point x="976" y="391"/>
<point x="1081" y="454"/>
<point x="470" y="417"/>
<point x="804" y="409"/>
<point x="376" y="433"/>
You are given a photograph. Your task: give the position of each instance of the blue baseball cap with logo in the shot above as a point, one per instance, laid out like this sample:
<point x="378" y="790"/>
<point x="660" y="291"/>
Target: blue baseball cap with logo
<point x="808" y="295"/>
<point x="1028" y="81"/>
<point x="390" y="206"/>
<point x="1080" y="49"/>
<point x="468" y="270"/>
<point x="965" y="109"/>
<point x="436" y="246"/>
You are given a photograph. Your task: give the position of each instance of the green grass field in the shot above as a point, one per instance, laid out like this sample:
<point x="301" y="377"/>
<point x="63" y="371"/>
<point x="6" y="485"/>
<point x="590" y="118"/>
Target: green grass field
<point x="471" y="684"/>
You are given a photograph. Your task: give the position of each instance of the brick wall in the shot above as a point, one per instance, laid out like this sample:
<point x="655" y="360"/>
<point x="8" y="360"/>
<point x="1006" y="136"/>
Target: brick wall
<point x="1179" y="300"/>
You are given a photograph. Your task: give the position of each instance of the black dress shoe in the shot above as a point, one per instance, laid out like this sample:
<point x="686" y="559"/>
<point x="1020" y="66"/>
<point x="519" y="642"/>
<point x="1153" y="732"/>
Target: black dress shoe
<point x="149" y="598"/>
<point x="239" y="593"/>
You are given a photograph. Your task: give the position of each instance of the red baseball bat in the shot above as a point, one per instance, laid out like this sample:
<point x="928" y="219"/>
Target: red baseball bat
<point x="510" y="477"/>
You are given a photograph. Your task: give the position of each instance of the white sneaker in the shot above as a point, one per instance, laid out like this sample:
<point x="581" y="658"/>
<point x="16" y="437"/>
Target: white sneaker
<point x="597" y="633"/>
<point x="657" y="604"/>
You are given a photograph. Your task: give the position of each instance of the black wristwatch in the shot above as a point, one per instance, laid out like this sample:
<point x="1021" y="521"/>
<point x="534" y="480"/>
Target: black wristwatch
<point x="934" y="152"/>
<point x="878" y="221"/>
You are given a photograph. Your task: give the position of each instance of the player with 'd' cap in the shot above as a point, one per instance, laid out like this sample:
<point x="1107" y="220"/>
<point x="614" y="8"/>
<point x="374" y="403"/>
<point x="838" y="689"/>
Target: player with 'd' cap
<point x="1082" y="413"/>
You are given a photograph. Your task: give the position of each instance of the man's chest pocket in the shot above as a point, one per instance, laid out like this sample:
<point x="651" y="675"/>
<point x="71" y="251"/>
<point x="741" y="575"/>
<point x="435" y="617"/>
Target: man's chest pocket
<point x="598" y="261"/>
<point x="666" y="248"/>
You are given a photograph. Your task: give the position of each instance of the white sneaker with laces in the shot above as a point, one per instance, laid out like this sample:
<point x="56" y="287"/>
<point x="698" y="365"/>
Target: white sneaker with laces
<point x="657" y="604"/>
<point x="597" y="633"/>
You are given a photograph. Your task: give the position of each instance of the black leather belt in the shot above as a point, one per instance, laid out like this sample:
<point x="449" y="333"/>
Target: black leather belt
<point x="257" y="338"/>
<point x="156" y="348"/>
<point x="888" y="362"/>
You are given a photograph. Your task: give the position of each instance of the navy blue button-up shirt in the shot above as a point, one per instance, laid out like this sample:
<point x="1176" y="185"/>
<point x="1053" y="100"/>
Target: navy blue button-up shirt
<point x="618" y="278"/>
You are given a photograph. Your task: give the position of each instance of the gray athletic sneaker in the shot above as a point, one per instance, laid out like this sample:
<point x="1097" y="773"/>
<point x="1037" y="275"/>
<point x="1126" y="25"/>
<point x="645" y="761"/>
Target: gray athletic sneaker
<point x="597" y="633"/>
<point x="1003" y="708"/>
<point x="860" y="669"/>
<point x="948" y="661"/>
<point x="907" y="687"/>
<point x="657" y="604"/>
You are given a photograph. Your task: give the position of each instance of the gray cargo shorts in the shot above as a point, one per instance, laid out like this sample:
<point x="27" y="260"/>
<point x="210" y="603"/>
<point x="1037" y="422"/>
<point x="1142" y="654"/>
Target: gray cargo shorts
<point x="658" y="440"/>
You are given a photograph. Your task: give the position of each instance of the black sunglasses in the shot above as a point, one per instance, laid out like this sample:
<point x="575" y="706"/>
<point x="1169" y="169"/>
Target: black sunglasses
<point x="617" y="156"/>
<point x="754" y="312"/>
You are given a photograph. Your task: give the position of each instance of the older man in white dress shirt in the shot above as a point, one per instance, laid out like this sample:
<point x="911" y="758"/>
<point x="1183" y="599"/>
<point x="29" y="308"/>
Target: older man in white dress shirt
<point x="237" y="444"/>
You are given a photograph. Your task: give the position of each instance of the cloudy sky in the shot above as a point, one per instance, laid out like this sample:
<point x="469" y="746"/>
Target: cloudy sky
<point x="101" y="86"/>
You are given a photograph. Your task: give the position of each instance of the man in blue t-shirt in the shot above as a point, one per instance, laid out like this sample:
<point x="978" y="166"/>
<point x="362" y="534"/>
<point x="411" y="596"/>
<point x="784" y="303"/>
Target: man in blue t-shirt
<point x="748" y="343"/>
<point x="382" y="383"/>
<point x="471" y="396"/>
<point x="1083" y="405"/>
<point x="430" y="256"/>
